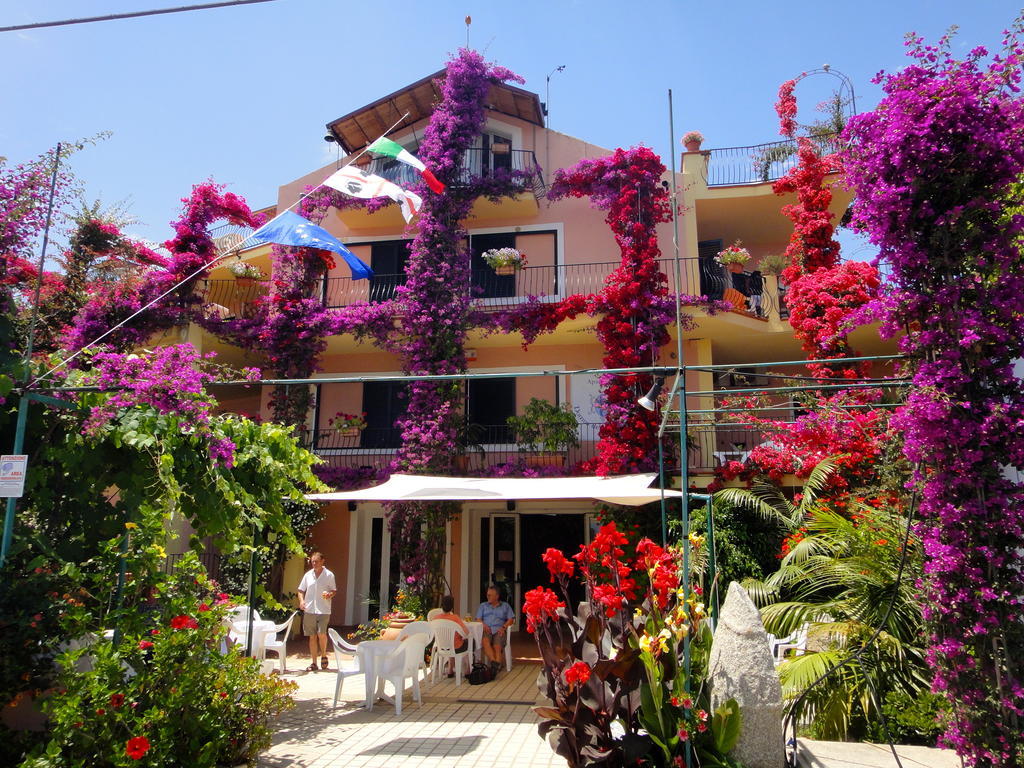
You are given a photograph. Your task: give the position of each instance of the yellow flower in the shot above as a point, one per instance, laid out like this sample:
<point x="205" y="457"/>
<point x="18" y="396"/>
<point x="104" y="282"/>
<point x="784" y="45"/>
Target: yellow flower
<point x="645" y="642"/>
<point x="638" y="612"/>
<point x="696" y="540"/>
<point x="159" y="551"/>
<point x="699" y="609"/>
<point x="663" y="637"/>
<point x="682" y="631"/>
<point x="131" y="526"/>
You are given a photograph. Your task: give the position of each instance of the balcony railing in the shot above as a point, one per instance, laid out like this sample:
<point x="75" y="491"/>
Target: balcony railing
<point x="375" y="448"/>
<point x="758" y="163"/>
<point x="718" y="444"/>
<point x="700" y="277"/>
<point x="477" y="163"/>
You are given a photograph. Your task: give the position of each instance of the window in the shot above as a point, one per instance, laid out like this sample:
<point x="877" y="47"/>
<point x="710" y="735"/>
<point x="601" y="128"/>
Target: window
<point x="486" y="282"/>
<point x="384" y="404"/>
<point x="388" y="260"/>
<point x="489" y="402"/>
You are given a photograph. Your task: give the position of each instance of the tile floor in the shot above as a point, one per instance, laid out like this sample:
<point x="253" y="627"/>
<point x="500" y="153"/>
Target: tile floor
<point x="486" y="726"/>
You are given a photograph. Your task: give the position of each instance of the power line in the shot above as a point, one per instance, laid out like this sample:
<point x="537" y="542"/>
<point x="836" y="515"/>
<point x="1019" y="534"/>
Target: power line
<point x="132" y="15"/>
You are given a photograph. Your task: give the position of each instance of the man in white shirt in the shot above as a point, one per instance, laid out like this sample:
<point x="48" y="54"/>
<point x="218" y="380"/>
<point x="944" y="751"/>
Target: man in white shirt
<point x="315" y="592"/>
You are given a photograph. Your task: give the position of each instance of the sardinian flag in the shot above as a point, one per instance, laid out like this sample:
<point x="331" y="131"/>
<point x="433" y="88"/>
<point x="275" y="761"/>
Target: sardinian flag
<point x="357" y="183"/>
<point x="390" y="148"/>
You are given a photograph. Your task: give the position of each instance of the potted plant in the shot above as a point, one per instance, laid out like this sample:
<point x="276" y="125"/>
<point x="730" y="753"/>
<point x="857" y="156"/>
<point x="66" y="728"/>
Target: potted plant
<point x="469" y="437"/>
<point x="546" y="430"/>
<point x="773" y="264"/>
<point x="504" y="261"/>
<point x="692" y="140"/>
<point x="348" y="424"/>
<point x="245" y="273"/>
<point x="733" y="257"/>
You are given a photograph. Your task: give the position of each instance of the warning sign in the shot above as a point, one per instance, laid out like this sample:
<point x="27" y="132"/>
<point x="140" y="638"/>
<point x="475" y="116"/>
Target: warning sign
<point x="12" y="476"/>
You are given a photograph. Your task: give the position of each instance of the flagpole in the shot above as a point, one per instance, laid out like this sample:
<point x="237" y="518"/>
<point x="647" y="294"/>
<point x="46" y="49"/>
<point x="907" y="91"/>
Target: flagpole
<point x="219" y="257"/>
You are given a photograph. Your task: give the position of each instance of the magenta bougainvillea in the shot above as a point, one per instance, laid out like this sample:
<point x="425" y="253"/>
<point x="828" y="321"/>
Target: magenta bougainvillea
<point x="192" y="253"/>
<point x="937" y="168"/>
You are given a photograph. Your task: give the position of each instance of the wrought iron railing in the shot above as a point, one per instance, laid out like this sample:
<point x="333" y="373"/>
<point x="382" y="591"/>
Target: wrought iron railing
<point x="493" y="445"/>
<point x="209" y="559"/>
<point x="700" y="277"/>
<point x="715" y="445"/>
<point x="758" y="163"/>
<point x="477" y="163"/>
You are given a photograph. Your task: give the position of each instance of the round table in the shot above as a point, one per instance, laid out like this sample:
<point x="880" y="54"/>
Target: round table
<point x="369" y="651"/>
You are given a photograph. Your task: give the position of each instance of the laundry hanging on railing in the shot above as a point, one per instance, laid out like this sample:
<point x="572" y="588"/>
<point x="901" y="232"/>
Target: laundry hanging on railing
<point x="291" y="229"/>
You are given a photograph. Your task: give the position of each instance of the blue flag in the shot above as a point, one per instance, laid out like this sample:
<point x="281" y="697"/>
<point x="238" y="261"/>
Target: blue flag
<point x="291" y="229"/>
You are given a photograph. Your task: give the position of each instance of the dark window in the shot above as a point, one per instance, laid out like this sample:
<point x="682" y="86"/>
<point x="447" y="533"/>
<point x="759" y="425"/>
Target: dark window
<point x="384" y="403"/>
<point x="489" y="402"/>
<point x="499" y="150"/>
<point x="376" y="544"/>
<point x="388" y="260"/>
<point x="486" y="282"/>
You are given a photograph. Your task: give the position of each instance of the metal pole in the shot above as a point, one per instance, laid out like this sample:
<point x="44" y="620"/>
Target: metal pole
<point x="19" y="443"/>
<point x="121" y="577"/>
<point x="19" y="431"/>
<point x="712" y="565"/>
<point x="681" y="393"/>
<point x="252" y="592"/>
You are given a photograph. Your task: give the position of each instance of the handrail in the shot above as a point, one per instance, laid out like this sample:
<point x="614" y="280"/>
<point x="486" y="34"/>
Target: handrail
<point x="759" y="163"/>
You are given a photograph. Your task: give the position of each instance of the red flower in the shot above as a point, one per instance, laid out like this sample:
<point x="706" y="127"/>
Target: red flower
<point x="145" y="645"/>
<point x="116" y="700"/>
<point x="557" y="563"/>
<point x="541" y="604"/>
<point x="606" y="595"/>
<point x="136" y="747"/>
<point x="203" y="607"/>
<point x="183" y="622"/>
<point x="577" y="674"/>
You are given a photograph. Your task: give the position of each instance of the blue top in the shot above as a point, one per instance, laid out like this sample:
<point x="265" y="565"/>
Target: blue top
<point x="495" y="616"/>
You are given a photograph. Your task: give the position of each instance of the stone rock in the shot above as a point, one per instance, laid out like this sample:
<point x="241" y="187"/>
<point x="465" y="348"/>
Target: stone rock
<point x="741" y="668"/>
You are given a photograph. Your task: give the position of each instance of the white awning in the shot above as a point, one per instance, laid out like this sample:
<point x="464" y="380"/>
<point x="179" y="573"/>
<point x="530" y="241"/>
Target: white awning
<point x="631" y="490"/>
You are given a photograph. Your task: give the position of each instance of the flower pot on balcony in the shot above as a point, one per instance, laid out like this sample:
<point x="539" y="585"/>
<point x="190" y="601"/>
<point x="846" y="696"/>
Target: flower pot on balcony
<point x="545" y="459"/>
<point x="245" y="282"/>
<point x="349" y="431"/>
<point x="510" y="269"/>
<point x="735" y="267"/>
<point x="692" y="146"/>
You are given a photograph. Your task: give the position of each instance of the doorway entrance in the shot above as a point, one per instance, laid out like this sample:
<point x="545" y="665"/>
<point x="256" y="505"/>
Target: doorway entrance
<point x="537" y="533"/>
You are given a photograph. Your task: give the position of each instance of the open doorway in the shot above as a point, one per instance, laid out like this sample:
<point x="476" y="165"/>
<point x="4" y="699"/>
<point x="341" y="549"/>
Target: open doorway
<point x="537" y="533"/>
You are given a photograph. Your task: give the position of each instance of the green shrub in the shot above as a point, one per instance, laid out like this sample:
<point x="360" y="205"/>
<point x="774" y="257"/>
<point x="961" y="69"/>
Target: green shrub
<point x="911" y="719"/>
<point x="170" y="696"/>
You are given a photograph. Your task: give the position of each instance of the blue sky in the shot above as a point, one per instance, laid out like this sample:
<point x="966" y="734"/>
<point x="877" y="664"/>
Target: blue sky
<point x="241" y="95"/>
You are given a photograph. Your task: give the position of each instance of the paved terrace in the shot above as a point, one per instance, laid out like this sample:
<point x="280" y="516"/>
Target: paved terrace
<point x="486" y="726"/>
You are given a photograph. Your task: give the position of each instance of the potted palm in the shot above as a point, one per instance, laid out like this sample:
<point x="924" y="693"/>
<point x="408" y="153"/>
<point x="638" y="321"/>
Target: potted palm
<point x="773" y="264"/>
<point x="734" y="257"/>
<point x="504" y="261"/>
<point x="246" y="274"/>
<point x="545" y="431"/>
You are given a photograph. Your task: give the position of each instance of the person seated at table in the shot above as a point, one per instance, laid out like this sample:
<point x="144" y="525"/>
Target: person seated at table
<point x="461" y="643"/>
<point x="497" y="616"/>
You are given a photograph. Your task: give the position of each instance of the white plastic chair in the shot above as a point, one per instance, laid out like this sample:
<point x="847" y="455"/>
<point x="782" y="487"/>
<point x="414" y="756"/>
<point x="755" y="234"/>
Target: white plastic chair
<point x="280" y="647"/>
<point x="415" y="628"/>
<point x="401" y="663"/>
<point x="444" y="631"/>
<point x="343" y="669"/>
<point x="433" y="612"/>
<point x="796" y="642"/>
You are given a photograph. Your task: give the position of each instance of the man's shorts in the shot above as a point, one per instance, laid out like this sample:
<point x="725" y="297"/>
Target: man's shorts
<point x="315" y="623"/>
<point x="499" y="638"/>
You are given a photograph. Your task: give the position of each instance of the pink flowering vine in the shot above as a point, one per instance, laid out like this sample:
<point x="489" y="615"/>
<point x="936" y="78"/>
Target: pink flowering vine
<point x="937" y="170"/>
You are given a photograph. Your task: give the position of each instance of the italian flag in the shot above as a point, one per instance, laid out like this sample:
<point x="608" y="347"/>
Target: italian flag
<point x="390" y="148"/>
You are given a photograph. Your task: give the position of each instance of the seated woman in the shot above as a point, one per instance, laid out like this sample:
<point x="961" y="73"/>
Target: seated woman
<point x="461" y="643"/>
<point x="497" y="616"/>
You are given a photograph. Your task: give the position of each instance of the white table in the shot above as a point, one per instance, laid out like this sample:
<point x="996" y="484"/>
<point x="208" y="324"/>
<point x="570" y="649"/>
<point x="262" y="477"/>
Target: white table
<point x="260" y="630"/>
<point x="368" y="652"/>
<point x="476" y="637"/>
<point x="724" y="457"/>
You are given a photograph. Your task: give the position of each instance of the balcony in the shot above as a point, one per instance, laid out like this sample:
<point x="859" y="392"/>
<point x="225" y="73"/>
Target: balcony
<point x="477" y="165"/>
<point x="758" y="163"/>
<point x="701" y="277"/>
<point x="374" y="449"/>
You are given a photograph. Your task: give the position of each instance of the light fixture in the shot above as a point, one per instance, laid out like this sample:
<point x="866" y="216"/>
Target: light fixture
<point x="330" y="138"/>
<point x="650" y="400"/>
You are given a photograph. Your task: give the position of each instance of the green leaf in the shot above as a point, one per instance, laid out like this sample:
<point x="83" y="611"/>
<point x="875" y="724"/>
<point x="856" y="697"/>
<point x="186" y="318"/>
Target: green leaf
<point x="725" y="726"/>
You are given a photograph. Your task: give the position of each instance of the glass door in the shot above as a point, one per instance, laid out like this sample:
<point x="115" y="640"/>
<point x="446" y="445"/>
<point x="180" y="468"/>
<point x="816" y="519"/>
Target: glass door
<point x="502" y="548"/>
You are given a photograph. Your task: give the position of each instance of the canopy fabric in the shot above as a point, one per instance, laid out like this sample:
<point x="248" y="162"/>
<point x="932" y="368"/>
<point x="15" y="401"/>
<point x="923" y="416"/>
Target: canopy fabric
<point x="630" y="490"/>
